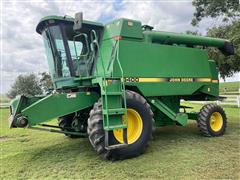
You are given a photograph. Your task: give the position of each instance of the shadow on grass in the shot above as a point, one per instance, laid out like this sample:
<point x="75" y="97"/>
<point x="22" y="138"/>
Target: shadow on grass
<point x="169" y="136"/>
<point x="66" y="149"/>
<point x="175" y="132"/>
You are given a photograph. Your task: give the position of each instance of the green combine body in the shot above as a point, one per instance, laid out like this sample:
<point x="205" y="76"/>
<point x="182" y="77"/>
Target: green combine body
<point x="113" y="82"/>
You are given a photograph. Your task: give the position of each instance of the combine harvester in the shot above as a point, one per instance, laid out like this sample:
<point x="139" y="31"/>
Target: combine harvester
<point x="113" y="82"/>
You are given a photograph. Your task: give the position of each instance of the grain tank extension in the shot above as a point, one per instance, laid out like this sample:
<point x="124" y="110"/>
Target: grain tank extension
<point x="114" y="82"/>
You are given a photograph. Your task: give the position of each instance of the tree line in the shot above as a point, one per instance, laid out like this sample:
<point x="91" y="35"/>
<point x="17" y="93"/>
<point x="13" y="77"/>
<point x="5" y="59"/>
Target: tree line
<point x="227" y="14"/>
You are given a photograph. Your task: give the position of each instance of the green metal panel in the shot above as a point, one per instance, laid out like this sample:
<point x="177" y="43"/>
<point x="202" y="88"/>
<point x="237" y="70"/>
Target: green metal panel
<point x="65" y="82"/>
<point x="211" y="89"/>
<point x="156" y="60"/>
<point x="167" y="88"/>
<point x="123" y="27"/>
<point x="168" y="63"/>
<point x="58" y="104"/>
<point x="15" y="105"/>
<point x="213" y="68"/>
<point x="161" y="119"/>
<point x="181" y="118"/>
<point x="106" y="50"/>
<point x="21" y="102"/>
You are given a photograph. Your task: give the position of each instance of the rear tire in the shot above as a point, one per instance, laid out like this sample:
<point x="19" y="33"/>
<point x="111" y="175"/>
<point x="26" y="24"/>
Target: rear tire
<point x="212" y="120"/>
<point x="97" y="135"/>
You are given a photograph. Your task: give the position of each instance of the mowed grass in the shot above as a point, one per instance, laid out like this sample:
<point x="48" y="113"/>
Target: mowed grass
<point x="173" y="153"/>
<point x="4" y="99"/>
<point x="229" y="86"/>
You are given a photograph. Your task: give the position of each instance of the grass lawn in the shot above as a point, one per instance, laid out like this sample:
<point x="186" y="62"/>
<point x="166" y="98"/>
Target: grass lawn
<point x="4" y="99"/>
<point x="230" y="86"/>
<point x="174" y="153"/>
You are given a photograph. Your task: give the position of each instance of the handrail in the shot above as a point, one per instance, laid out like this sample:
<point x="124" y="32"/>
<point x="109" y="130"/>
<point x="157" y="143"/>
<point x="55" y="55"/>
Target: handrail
<point x="122" y="81"/>
<point x="112" y="55"/>
<point x="85" y="38"/>
<point x="104" y="85"/>
<point x="93" y="35"/>
<point x="94" y="41"/>
<point x="119" y="64"/>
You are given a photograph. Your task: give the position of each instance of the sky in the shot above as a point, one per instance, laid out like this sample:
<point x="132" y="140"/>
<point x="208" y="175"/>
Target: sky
<point x="22" y="49"/>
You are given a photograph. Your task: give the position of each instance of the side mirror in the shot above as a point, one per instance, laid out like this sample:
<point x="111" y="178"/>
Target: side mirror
<point x="78" y="21"/>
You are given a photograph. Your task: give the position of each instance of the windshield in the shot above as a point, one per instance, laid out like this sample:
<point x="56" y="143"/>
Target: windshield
<point x="69" y="54"/>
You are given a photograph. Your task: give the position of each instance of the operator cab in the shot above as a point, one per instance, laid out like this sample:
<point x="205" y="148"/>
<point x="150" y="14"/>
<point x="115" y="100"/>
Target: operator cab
<point x="70" y="53"/>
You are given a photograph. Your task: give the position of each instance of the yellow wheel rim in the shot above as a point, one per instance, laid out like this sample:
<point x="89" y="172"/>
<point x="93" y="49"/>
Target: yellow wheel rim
<point x="216" y="121"/>
<point x="134" y="130"/>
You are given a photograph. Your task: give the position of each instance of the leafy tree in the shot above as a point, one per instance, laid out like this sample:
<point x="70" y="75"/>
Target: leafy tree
<point x="228" y="65"/>
<point x="193" y="33"/>
<point x="227" y="9"/>
<point x="31" y="85"/>
<point x="27" y="85"/>
<point x="46" y="82"/>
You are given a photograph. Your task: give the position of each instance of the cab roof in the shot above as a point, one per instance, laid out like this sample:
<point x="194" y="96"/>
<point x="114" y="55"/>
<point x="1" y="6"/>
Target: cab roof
<point x="44" y="22"/>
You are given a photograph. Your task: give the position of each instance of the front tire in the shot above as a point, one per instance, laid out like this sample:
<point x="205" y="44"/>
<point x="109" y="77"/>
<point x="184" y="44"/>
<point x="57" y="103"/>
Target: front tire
<point x="140" y="121"/>
<point x="212" y="120"/>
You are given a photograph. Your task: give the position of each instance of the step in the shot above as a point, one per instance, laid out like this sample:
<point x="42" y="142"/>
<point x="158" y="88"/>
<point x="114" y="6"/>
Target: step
<point x="114" y="111"/>
<point x="113" y="93"/>
<point x="116" y="146"/>
<point x="110" y="128"/>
